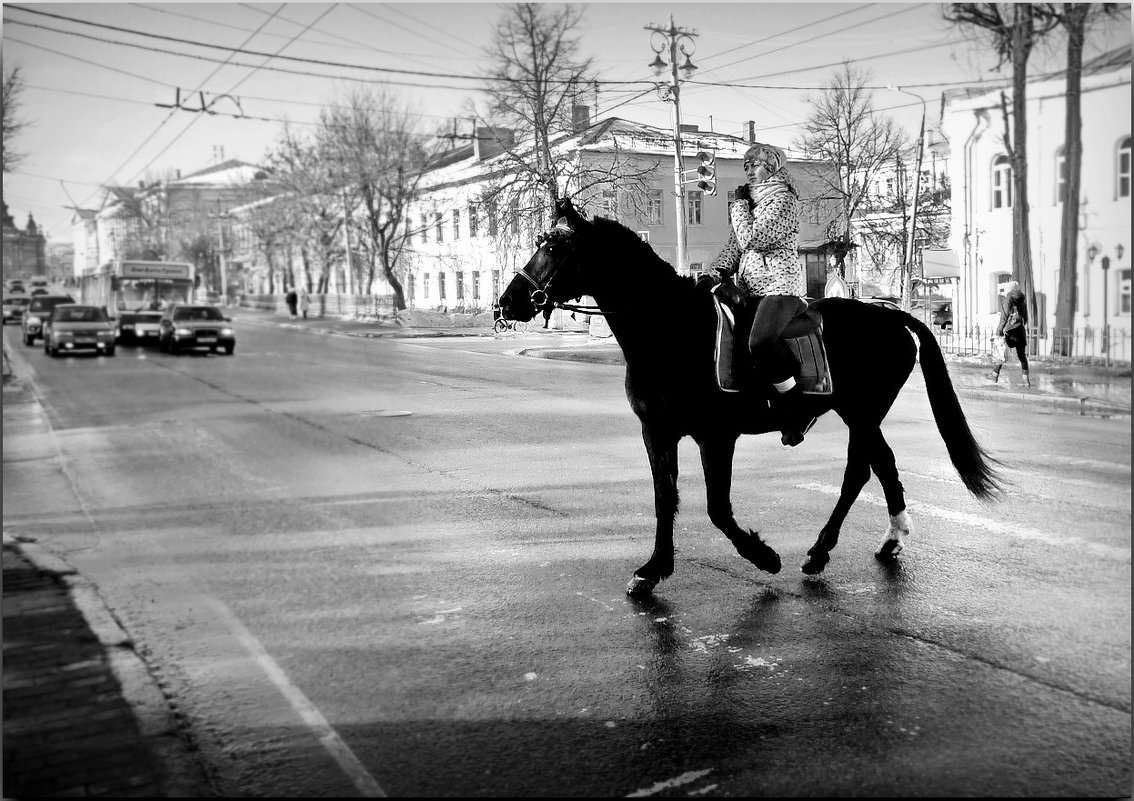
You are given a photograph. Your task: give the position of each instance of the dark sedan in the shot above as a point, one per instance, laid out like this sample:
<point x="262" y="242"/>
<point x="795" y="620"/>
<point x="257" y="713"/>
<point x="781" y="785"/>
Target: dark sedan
<point x="184" y="327"/>
<point x="38" y="310"/>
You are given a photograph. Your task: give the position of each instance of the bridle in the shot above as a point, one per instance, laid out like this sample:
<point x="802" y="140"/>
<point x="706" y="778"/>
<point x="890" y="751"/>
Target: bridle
<point x="539" y="296"/>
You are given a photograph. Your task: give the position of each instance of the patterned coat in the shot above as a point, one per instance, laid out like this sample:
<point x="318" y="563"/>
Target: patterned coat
<point x="763" y="242"/>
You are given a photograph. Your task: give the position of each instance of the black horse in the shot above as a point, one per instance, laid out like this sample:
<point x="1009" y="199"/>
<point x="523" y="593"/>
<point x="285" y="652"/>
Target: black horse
<point x="672" y="388"/>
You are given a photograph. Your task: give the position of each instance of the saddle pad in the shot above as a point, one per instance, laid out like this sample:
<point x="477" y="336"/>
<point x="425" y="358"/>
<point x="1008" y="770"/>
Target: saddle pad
<point x="732" y="363"/>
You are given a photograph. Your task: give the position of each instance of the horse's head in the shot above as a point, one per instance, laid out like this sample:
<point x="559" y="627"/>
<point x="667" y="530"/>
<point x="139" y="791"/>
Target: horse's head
<point x="552" y="274"/>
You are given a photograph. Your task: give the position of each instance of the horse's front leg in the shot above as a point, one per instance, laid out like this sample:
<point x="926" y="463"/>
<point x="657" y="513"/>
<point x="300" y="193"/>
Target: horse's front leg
<point x="855" y="476"/>
<point x="716" y="459"/>
<point x="661" y="447"/>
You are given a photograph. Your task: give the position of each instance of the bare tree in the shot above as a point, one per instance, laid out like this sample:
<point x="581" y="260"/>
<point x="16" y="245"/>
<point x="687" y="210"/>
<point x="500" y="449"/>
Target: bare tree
<point x="844" y="130"/>
<point x="373" y="150"/>
<point x="1014" y="29"/>
<point x="1075" y="19"/>
<point x="13" y="123"/>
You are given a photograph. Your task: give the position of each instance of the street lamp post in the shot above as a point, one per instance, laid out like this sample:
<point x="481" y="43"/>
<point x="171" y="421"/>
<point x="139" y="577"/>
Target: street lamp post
<point x="674" y="40"/>
<point x="908" y="269"/>
<point x="1106" y="309"/>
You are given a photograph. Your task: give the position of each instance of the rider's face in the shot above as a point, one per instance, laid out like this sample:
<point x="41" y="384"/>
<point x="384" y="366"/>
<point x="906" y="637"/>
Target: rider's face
<point x="757" y="173"/>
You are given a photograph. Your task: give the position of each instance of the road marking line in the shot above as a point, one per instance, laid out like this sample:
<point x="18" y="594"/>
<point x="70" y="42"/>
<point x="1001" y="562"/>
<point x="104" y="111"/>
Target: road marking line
<point x="323" y="731"/>
<point x="684" y="778"/>
<point x="994" y="526"/>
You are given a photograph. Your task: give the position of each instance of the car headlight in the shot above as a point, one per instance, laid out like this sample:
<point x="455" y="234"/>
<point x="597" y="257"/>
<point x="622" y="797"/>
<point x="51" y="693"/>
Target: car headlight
<point x="226" y="332"/>
<point x="183" y="332"/>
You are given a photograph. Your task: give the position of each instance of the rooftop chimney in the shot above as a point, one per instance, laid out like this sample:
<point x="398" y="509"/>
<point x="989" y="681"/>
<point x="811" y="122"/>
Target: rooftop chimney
<point x="488" y="142"/>
<point x="580" y="117"/>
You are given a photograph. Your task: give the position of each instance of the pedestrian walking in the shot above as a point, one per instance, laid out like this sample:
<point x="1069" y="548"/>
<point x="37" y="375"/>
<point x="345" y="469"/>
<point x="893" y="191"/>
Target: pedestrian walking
<point x="1013" y="328"/>
<point x="292" y="302"/>
<point x="304" y="302"/>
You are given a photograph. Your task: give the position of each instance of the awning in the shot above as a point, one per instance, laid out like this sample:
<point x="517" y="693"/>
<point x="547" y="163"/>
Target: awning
<point x="940" y="264"/>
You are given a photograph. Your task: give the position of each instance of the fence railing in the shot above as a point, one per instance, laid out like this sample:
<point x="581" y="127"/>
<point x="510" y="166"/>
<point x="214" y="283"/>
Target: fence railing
<point x="1067" y="345"/>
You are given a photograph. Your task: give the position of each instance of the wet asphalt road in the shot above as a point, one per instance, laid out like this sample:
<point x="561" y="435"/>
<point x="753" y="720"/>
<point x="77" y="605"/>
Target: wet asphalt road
<point x="361" y="566"/>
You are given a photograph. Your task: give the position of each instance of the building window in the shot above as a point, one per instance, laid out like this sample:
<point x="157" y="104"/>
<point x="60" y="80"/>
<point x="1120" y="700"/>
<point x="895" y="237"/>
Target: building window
<point x="424" y="228"/>
<point x="654" y="207"/>
<point x="1060" y="175"/>
<point x="1001" y="183"/>
<point x="460" y="285"/>
<point x="1124" y="293"/>
<point x="425" y="286"/>
<point x="694" y="205"/>
<point x="440" y="286"/>
<point x="610" y="205"/>
<point x="409" y="230"/>
<point x="409" y="287"/>
<point x="999" y="285"/>
<point x="491" y="209"/>
<point x="456" y="224"/>
<point x="437" y="227"/>
<point x="476" y="285"/>
<point x="472" y="221"/>
<point x="495" y="284"/>
<point x="1124" y="168"/>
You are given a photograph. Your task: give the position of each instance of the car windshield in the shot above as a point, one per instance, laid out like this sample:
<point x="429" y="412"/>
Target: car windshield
<point x="197" y="313"/>
<point x="80" y="315"/>
<point x="47" y="304"/>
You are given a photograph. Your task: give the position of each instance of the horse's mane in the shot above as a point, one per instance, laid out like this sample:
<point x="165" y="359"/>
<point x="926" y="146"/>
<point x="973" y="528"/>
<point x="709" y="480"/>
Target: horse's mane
<point x="624" y="244"/>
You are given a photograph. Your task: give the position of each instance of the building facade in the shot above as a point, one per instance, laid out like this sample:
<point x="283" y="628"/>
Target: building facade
<point x="25" y="250"/>
<point x="982" y="199"/>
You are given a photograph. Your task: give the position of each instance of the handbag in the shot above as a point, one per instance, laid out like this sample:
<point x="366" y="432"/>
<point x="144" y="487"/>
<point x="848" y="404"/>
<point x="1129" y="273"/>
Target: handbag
<point x="1013" y="322"/>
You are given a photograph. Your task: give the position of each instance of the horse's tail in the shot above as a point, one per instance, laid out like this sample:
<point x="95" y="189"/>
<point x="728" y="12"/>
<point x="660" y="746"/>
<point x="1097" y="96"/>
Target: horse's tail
<point x="974" y="464"/>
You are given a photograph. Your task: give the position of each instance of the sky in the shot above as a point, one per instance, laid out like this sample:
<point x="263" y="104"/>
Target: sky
<point x="98" y="98"/>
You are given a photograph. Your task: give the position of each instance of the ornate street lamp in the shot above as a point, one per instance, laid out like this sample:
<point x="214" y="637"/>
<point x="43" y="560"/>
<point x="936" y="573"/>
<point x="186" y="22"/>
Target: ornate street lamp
<point x="674" y="40"/>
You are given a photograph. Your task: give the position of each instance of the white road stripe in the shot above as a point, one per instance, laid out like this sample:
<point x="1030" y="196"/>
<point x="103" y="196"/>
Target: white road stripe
<point x="327" y="736"/>
<point x="988" y="524"/>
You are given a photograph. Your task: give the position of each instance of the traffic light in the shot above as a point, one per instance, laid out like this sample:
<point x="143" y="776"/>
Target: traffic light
<point x="708" y="173"/>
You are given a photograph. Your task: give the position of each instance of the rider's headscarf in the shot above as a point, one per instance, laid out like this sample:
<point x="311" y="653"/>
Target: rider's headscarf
<point x="772" y="157"/>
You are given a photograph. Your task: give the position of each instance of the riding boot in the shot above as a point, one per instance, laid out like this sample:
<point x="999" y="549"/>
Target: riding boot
<point x="996" y="374"/>
<point x="794" y="421"/>
<point x="1027" y="379"/>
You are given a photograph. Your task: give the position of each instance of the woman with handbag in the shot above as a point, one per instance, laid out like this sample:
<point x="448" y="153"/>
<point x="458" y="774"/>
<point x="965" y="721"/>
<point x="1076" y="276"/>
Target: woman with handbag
<point x="1014" y="328"/>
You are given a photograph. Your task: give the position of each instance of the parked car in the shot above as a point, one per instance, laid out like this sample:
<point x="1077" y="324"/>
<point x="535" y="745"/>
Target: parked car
<point x="185" y="327"/>
<point x="884" y="302"/>
<point x="73" y="326"/>
<point x="38" y="310"/>
<point x="14" y="307"/>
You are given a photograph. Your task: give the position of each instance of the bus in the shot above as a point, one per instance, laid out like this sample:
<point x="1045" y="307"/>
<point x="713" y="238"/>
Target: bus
<point x="137" y="292"/>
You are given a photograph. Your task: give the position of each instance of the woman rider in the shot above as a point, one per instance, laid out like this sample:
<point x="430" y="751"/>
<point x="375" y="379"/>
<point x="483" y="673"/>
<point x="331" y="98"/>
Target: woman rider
<point x="762" y="252"/>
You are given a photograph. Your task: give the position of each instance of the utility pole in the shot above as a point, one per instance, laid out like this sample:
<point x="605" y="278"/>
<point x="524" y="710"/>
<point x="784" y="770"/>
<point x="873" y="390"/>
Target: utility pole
<point x="674" y="40"/>
<point x="911" y="259"/>
<point x="346" y="238"/>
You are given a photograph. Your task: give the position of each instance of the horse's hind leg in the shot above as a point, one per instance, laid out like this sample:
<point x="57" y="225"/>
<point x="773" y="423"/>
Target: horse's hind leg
<point x="662" y="450"/>
<point x="882" y="461"/>
<point x="855" y="476"/>
<point x="716" y="458"/>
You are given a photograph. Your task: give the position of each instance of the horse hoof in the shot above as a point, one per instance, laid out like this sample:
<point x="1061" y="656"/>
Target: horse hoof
<point x="889" y="551"/>
<point x="763" y="556"/>
<point x="815" y="563"/>
<point x="640" y="586"/>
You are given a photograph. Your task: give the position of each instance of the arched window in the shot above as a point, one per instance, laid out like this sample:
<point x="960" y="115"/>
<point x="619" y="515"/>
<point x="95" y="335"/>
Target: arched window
<point x="1001" y="183"/>
<point x="1124" y="167"/>
<point x="1060" y="175"/>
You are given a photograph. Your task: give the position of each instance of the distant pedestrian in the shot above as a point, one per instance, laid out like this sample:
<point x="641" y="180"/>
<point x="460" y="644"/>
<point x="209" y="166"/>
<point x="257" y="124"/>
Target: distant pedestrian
<point x="292" y="302"/>
<point x="1013" y="327"/>
<point x="304" y="302"/>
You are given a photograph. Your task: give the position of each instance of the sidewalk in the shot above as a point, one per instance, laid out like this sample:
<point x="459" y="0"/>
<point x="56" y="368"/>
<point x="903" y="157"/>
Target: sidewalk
<point x="84" y="717"/>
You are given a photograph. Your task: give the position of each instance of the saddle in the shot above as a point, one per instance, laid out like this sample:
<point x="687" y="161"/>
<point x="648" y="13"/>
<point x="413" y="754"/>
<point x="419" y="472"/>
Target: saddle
<point x="803" y="336"/>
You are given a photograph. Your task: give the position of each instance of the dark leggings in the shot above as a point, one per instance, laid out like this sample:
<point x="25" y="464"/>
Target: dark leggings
<point x="1017" y="340"/>
<point x="773" y="358"/>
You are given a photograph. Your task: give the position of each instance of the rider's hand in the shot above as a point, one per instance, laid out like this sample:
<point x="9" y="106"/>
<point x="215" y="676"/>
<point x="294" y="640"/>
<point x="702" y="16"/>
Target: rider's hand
<point x="742" y="193"/>
<point x="708" y="280"/>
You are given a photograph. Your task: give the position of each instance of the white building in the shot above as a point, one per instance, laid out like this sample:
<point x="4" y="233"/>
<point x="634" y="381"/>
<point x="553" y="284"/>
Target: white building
<point x="463" y="249"/>
<point x="982" y="199"/>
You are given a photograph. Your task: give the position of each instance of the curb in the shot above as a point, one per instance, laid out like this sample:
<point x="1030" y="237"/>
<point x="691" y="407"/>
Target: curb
<point x="180" y="774"/>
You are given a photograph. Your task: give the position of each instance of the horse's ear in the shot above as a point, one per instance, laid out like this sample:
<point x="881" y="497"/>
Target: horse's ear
<point x="569" y="216"/>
